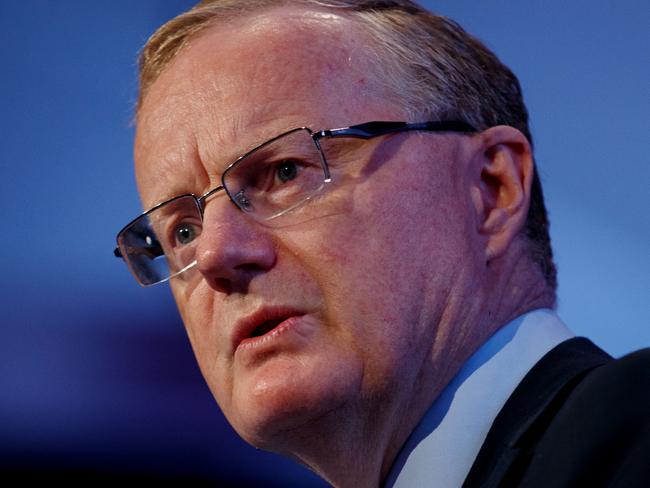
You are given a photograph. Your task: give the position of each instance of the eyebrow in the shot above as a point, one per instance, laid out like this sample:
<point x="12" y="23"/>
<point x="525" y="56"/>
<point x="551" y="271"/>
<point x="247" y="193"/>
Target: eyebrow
<point x="213" y="162"/>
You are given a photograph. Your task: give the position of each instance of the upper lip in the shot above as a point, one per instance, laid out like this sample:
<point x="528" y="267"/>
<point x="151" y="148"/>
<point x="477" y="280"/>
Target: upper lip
<point x="246" y="326"/>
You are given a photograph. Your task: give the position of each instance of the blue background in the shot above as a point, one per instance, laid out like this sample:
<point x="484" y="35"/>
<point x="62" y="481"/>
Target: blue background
<point x="97" y="374"/>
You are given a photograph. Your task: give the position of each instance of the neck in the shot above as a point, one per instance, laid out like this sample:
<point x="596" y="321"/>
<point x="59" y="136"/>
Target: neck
<point x="516" y="286"/>
<point x="509" y="287"/>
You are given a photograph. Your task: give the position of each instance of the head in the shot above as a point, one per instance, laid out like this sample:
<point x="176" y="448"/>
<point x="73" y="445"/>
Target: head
<point x="369" y="296"/>
<point x="449" y="75"/>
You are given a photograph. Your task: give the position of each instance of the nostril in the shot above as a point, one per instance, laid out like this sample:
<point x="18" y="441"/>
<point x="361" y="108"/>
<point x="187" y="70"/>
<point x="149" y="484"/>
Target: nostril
<point x="222" y="284"/>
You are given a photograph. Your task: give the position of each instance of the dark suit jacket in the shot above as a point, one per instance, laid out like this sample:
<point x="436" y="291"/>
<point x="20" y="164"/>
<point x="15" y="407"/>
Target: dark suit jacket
<point x="578" y="419"/>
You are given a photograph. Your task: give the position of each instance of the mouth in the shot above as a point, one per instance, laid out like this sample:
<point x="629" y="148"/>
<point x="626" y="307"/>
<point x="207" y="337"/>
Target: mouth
<point x="262" y="323"/>
<point x="265" y="327"/>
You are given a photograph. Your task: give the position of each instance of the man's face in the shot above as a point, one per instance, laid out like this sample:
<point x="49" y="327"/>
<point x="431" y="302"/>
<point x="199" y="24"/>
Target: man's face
<point x="355" y="286"/>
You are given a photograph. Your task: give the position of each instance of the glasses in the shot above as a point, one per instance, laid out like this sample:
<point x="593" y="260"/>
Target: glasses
<point x="268" y="181"/>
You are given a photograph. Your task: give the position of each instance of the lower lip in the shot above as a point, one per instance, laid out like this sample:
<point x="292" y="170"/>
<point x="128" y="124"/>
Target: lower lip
<point x="271" y="336"/>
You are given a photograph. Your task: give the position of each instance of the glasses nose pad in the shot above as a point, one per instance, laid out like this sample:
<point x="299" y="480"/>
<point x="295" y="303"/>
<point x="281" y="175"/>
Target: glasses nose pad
<point x="243" y="202"/>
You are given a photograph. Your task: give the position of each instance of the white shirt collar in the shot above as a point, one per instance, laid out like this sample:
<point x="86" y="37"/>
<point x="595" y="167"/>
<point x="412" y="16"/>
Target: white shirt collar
<point x="442" y="448"/>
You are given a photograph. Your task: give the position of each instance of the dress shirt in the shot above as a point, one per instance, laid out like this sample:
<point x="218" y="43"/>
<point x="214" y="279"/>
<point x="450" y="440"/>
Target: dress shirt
<point x="441" y="450"/>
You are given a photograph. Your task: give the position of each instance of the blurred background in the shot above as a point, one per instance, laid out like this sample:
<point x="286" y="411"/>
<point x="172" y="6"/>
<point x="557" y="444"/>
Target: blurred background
<point x="96" y="374"/>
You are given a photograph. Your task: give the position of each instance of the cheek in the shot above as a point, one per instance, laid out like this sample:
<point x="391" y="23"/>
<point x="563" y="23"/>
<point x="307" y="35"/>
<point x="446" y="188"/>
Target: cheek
<point x="388" y="265"/>
<point x="197" y="311"/>
<point x="362" y="268"/>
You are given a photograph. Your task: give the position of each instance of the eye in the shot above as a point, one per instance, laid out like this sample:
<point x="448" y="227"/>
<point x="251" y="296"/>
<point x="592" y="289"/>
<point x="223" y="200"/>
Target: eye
<point x="287" y="170"/>
<point x="185" y="233"/>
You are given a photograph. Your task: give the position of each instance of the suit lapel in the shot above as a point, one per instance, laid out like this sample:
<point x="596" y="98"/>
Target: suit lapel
<point x="530" y="408"/>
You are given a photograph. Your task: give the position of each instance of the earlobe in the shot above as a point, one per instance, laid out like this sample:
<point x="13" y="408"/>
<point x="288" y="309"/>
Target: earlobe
<point x="501" y="192"/>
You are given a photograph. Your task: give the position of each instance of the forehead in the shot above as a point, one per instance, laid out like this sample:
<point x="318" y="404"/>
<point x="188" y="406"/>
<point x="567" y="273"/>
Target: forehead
<point x="241" y="82"/>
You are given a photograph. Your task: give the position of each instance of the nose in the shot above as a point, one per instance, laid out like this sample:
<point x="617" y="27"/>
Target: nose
<point x="232" y="248"/>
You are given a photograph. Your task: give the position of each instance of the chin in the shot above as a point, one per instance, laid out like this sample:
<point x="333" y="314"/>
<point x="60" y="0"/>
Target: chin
<point x="286" y="399"/>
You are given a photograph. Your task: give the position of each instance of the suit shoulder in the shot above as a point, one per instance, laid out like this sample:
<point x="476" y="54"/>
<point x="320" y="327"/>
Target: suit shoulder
<point x="600" y="435"/>
<point x="610" y="402"/>
<point x="622" y="385"/>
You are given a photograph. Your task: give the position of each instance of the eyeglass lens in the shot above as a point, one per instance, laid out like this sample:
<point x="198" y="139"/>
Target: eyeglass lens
<point x="276" y="176"/>
<point x="266" y="183"/>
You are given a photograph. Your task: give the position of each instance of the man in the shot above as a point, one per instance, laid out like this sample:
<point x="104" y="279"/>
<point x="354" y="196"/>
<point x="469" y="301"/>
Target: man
<point x="343" y="197"/>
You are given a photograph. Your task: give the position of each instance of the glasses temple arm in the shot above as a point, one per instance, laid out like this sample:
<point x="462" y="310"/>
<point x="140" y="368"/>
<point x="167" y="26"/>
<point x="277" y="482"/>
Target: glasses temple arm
<point x="374" y="129"/>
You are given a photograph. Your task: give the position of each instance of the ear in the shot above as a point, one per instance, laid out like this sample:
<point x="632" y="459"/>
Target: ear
<point x="501" y="187"/>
